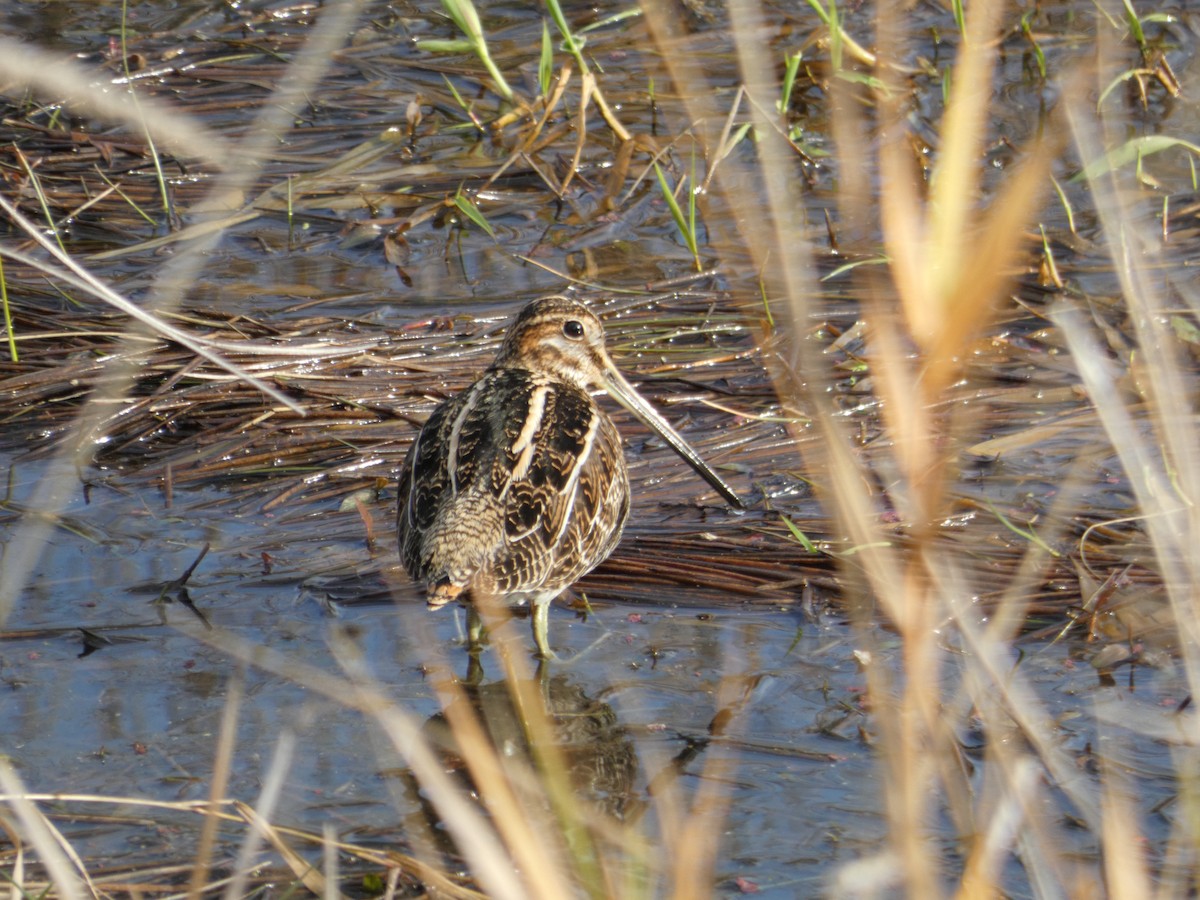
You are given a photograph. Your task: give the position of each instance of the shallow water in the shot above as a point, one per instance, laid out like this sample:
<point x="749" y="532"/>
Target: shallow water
<point x="138" y="714"/>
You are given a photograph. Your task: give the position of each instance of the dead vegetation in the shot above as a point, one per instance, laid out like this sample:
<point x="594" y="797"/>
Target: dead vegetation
<point x="985" y="489"/>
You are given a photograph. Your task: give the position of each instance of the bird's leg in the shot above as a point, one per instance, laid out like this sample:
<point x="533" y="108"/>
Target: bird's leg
<point x="475" y="630"/>
<point x="542" y="679"/>
<point x="474" y="670"/>
<point x="540" y="619"/>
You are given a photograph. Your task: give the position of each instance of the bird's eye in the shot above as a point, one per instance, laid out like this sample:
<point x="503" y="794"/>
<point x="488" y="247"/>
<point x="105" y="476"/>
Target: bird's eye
<point x="573" y="329"/>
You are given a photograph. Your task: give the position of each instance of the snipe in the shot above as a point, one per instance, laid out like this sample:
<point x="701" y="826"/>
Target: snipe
<point x="516" y="487"/>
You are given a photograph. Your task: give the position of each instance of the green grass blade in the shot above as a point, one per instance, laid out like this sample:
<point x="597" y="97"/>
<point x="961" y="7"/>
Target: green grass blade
<point x="569" y="42"/>
<point x="960" y="17"/>
<point x="1027" y="30"/>
<point x="463" y="14"/>
<point x="1066" y="204"/>
<point x="1133" y="151"/>
<point x="835" y="38"/>
<point x="546" y="63"/>
<point x="468" y="208"/>
<point x="681" y="222"/>
<point x="614" y="19"/>
<point x="692" y="210"/>
<point x="445" y="45"/>
<point x="150" y="145"/>
<point x="36" y="183"/>
<point x="466" y="107"/>
<point x="820" y="10"/>
<point x="766" y="300"/>
<point x="790" y="68"/>
<point x="8" y="325"/>
<point x="128" y="200"/>
<point x="801" y="538"/>
<point x="1135" y="26"/>
<point x="1026" y="533"/>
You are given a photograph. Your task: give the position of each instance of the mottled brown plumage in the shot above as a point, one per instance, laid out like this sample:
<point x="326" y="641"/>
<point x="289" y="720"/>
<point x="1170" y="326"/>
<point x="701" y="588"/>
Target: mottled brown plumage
<point x="517" y="486"/>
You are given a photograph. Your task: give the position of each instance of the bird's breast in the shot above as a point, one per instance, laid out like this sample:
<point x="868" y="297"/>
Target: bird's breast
<point x="521" y="463"/>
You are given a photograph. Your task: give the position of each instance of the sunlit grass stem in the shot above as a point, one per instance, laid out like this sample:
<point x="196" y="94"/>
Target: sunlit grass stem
<point x="9" y="333"/>
<point x="1039" y="56"/>
<point x="150" y="144"/>
<point x="36" y="183"/>
<point x="466" y="18"/>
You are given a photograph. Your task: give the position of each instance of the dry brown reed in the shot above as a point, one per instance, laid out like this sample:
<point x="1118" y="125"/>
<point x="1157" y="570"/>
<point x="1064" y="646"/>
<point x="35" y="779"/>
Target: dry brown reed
<point x="950" y="265"/>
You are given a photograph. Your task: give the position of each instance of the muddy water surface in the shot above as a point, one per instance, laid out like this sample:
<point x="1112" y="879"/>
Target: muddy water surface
<point x="114" y="686"/>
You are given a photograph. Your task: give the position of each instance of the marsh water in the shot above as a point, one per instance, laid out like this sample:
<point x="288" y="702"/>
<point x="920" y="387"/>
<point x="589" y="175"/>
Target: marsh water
<point x="111" y="681"/>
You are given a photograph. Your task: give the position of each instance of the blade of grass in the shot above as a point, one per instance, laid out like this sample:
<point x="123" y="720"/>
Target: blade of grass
<point x="133" y="97"/>
<point x="304" y="872"/>
<point x="801" y="538"/>
<point x="218" y="783"/>
<point x="681" y="222"/>
<point x="464" y="15"/>
<point x="468" y="208"/>
<point x="268" y="798"/>
<point x="791" y="66"/>
<point x="52" y="850"/>
<point x="1133" y="151"/>
<point x="1068" y="210"/>
<point x="829" y="17"/>
<point x="464" y="105"/>
<point x="10" y="335"/>
<point x="1026" y="533"/>
<point x="36" y="184"/>
<point x="546" y="61"/>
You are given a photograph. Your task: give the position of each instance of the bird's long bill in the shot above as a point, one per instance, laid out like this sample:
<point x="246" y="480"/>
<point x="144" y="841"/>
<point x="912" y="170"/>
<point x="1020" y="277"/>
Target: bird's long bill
<point x="623" y="392"/>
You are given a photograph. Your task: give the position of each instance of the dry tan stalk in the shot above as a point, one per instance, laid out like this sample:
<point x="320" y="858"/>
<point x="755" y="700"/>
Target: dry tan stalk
<point x="588" y="85"/>
<point x="476" y="840"/>
<point x="17" y="889"/>
<point x="268" y="797"/>
<point x="66" y="870"/>
<point x="312" y="878"/>
<point x="1124" y="856"/>
<point x="941" y="265"/>
<point x="218" y="783"/>
<point x="425" y="873"/>
<point x="535" y="137"/>
<point x="528" y="844"/>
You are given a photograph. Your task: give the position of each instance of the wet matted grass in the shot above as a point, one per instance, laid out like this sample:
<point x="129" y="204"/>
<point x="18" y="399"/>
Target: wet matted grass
<point x="370" y="251"/>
